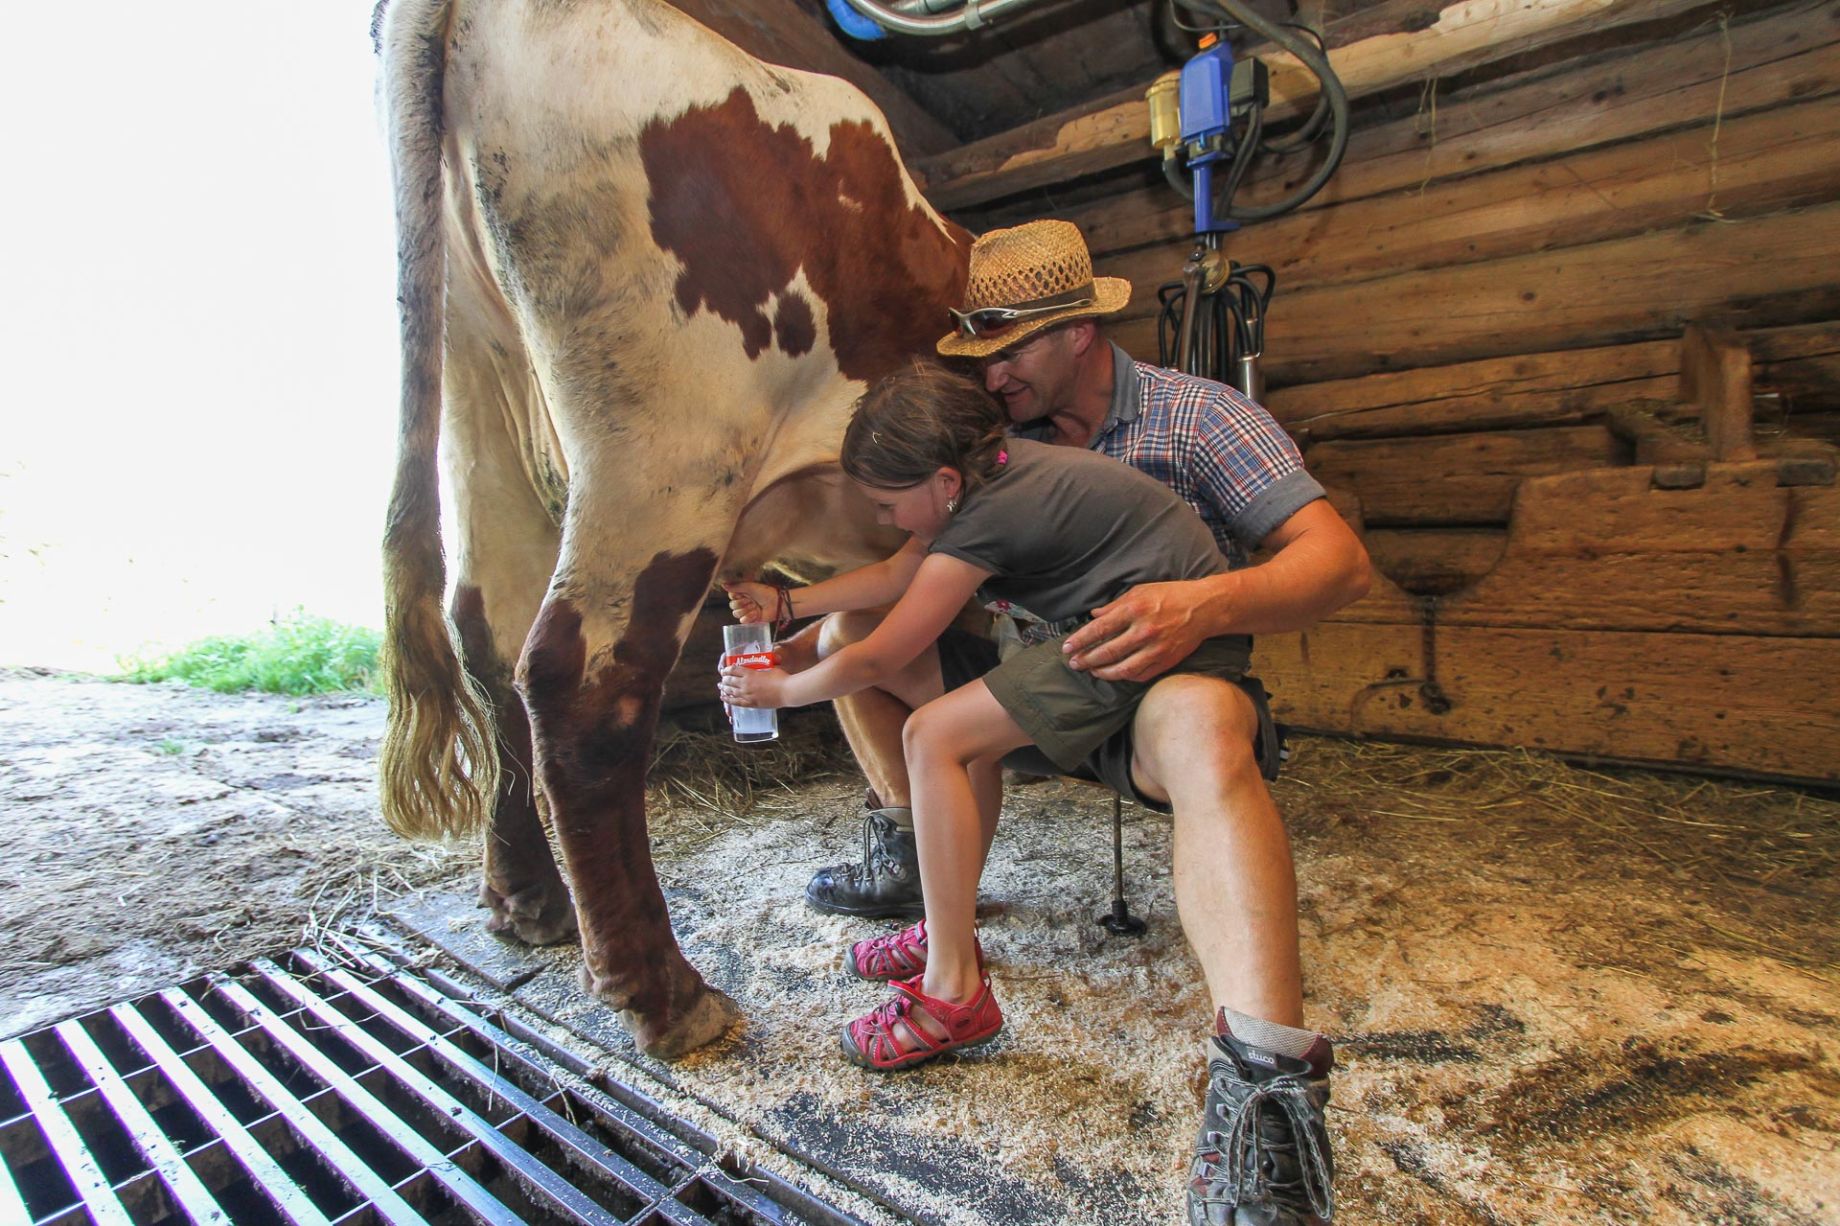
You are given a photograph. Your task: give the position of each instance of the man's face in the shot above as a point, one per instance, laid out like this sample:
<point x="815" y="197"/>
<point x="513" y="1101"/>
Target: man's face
<point x="1035" y="377"/>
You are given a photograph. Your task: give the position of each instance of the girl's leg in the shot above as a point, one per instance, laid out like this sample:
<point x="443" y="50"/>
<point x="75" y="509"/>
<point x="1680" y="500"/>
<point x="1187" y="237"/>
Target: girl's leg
<point x="955" y="810"/>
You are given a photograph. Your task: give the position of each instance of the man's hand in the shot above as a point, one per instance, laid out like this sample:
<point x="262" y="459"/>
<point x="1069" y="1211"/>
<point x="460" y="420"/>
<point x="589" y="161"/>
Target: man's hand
<point x="751" y="687"/>
<point x="751" y="602"/>
<point x="1142" y="634"/>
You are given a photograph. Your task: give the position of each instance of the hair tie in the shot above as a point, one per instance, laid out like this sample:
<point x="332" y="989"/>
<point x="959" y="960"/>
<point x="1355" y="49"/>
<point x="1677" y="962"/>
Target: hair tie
<point x="1002" y="457"/>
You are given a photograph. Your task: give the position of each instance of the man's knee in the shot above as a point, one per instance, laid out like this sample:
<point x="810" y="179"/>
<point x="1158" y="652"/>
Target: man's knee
<point x="839" y="630"/>
<point x="1191" y="727"/>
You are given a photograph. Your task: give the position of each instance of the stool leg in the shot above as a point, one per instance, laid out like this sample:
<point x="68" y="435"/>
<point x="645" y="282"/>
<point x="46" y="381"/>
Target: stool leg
<point x="1119" y="921"/>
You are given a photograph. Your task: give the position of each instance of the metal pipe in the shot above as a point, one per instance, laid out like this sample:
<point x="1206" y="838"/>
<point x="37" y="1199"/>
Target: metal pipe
<point x="1191" y="304"/>
<point x="899" y="18"/>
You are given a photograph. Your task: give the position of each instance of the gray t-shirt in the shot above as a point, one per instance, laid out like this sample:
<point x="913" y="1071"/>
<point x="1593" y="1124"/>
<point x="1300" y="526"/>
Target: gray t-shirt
<point x="1065" y="530"/>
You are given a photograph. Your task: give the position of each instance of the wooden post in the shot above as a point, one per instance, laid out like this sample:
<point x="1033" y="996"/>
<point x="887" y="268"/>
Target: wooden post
<point x="1715" y="374"/>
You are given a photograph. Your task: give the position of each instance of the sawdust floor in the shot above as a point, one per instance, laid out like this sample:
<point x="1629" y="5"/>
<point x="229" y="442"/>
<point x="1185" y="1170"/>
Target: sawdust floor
<point x="1558" y="995"/>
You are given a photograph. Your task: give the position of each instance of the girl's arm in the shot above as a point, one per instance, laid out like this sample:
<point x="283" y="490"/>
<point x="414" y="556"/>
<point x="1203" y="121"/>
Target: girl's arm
<point x="866" y="587"/>
<point x="941" y="585"/>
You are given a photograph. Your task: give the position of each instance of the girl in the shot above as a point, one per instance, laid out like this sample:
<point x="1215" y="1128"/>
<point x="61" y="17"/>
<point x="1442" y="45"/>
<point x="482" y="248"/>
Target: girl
<point x="1041" y="533"/>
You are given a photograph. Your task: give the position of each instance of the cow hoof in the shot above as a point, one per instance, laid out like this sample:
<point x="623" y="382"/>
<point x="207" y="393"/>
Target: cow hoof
<point x="540" y="915"/>
<point x="706" y="1021"/>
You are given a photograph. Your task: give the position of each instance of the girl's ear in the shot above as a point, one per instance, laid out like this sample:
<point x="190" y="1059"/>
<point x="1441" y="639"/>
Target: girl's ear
<point x="951" y="482"/>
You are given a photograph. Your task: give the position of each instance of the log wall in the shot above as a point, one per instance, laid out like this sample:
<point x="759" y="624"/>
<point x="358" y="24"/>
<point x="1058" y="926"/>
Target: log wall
<point x="1560" y="335"/>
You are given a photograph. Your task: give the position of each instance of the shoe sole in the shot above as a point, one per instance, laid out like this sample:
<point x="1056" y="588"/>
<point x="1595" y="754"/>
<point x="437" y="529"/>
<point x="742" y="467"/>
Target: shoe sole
<point x="856" y="1057"/>
<point x="909" y="911"/>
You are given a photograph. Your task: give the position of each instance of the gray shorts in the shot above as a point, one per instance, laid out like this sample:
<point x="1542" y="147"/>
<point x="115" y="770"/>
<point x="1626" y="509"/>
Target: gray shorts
<point x="1081" y="725"/>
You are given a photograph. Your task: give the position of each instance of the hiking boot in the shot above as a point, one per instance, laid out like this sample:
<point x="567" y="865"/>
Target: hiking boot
<point x="886" y="885"/>
<point x="1262" y="1158"/>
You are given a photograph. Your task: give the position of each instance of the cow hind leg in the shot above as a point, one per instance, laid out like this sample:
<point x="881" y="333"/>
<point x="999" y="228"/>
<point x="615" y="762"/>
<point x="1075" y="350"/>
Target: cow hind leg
<point x="508" y="543"/>
<point x="522" y="885"/>
<point x="593" y="676"/>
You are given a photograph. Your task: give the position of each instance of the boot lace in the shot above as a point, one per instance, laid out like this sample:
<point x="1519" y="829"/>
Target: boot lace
<point x="1239" y="1176"/>
<point x="875" y="858"/>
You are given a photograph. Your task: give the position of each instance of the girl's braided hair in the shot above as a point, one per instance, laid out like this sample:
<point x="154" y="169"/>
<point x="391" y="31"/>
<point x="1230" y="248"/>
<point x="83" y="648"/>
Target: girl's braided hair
<point x="914" y="422"/>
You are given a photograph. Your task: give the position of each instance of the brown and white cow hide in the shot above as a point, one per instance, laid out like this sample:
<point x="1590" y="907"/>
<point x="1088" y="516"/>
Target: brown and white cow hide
<point x="643" y="278"/>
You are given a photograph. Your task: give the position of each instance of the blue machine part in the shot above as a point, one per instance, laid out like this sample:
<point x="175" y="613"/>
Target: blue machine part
<point x="853" y="23"/>
<point x="1204" y="96"/>
<point x="1206" y="125"/>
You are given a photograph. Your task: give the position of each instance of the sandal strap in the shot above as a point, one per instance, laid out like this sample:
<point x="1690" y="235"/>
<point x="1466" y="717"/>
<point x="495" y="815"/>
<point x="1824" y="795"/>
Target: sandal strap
<point x="883" y="1029"/>
<point x="898" y="955"/>
<point x="954" y="1019"/>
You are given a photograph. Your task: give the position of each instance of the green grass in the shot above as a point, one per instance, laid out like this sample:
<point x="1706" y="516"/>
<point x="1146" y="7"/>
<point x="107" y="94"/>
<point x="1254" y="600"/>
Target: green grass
<point x="297" y="654"/>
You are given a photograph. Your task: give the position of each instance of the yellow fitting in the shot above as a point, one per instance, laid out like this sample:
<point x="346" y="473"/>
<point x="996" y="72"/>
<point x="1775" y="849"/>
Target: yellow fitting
<point x="1164" y="97"/>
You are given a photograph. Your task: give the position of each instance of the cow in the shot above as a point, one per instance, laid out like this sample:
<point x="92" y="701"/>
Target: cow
<point x="642" y="278"/>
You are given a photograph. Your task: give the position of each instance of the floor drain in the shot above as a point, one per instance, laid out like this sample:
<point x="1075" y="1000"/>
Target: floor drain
<point x="345" y="1087"/>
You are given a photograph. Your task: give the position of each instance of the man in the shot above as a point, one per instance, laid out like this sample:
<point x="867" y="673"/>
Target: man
<point x="1199" y="747"/>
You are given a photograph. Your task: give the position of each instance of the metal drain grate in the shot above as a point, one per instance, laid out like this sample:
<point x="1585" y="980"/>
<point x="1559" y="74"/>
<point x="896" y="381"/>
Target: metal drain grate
<point x="344" y="1089"/>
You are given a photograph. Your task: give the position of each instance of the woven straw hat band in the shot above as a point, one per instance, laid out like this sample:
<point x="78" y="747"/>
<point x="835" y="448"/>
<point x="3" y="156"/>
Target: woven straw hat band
<point x="1043" y="263"/>
<point x="1041" y="267"/>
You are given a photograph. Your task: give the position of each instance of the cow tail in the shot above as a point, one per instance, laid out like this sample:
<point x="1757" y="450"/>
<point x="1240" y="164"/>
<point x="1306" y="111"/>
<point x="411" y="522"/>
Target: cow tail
<point x="438" y="766"/>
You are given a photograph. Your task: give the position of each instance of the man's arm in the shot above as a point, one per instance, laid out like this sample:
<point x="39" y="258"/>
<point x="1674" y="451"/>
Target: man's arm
<point x="1317" y="565"/>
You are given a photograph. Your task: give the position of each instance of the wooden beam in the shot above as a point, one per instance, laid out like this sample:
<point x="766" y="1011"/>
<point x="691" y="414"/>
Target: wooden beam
<point x="1705" y="700"/>
<point x="781" y="32"/>
<point x="1435" y="561"/>
<point x="1761" y="163"/>
<point x="1537" y="389"/>
<point x="1790" y="56"/>
<point x="1464" y="479"/>
<point x="1757" y="272"/>
<point x="1715" y="377"/>
<point x="1605" y="549"/>
<point x="1463" y="35"/>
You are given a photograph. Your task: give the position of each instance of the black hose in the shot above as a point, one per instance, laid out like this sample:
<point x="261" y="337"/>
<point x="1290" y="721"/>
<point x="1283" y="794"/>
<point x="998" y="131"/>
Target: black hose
<point x="1312" y="127"/>
<point x="1172" y="174"/>
<point x="1230" y="322"/>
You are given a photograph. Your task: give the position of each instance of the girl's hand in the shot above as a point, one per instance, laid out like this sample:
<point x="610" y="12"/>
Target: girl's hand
<point x="751" y="602"/>
<point x="752" y="687"/>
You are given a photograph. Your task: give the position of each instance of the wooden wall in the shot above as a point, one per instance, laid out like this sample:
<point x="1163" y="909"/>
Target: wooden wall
<point x="1561" y="335"/>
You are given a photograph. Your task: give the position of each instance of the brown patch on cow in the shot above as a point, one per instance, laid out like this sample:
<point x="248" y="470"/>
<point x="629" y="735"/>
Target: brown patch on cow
<point x="745" y="205"/>
<point x="594" y="742"/>
<point x="794" y="326"/>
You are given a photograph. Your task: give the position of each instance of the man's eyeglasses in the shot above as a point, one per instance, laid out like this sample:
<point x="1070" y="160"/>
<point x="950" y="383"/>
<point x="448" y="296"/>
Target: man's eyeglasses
<point x="995" y="321"/>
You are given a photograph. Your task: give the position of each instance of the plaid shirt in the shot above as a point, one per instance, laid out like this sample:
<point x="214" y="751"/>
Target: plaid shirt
<point x="1222" y="453"/>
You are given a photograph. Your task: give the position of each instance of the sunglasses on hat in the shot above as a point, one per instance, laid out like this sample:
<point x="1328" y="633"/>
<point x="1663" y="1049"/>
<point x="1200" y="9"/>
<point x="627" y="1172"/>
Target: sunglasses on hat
<point x="995" y="321"/>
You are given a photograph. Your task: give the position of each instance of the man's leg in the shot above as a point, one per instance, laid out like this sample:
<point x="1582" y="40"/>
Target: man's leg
<point x="1236" y="894"/>
<point x="1236" y="891"/>
<point x="886" y="883"/>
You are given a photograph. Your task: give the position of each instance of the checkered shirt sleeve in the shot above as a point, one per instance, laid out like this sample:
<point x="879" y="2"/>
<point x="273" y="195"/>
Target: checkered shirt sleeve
<point x="1224" y="454"/>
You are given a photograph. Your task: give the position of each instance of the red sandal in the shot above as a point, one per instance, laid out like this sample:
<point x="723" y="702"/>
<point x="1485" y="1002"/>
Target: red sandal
<point x="889" y="1038"/>
<point x="896" y="955"/>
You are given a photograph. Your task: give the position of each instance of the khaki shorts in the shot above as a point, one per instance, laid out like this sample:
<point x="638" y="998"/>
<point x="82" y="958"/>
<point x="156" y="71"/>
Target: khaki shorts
<point x="1081" y="726"/>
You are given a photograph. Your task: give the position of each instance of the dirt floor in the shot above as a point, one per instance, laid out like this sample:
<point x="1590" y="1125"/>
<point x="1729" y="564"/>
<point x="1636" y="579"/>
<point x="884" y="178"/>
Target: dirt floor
<point x="1557" y="994"/>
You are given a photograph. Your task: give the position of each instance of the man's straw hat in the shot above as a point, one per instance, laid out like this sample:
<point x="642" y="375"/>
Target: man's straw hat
<point x="1032" y="269"/>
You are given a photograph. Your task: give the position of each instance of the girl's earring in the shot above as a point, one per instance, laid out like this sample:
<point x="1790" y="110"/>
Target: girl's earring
<point x="951" y="506"/>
